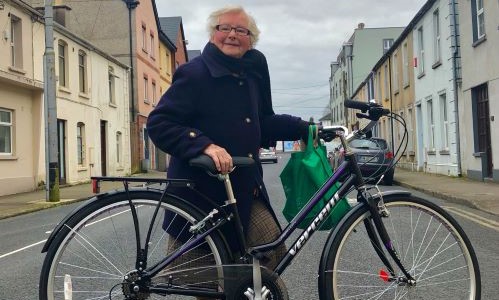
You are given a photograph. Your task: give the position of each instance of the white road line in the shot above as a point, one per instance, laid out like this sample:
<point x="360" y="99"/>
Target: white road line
<point x="37" y="243"/>
<point x="474" y="217"/>
<point x="21" y="249"/>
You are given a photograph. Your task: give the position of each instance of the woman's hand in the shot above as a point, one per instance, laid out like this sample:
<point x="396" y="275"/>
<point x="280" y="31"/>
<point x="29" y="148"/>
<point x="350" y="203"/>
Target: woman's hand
<point x="221" y="158"/>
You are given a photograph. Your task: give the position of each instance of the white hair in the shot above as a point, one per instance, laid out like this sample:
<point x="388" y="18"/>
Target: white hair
<point x="214" y="17"/>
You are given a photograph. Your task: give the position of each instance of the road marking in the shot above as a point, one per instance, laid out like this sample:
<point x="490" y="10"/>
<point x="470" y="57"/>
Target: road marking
<point x="474" y="217"/>
<point x="21" y="249"/>
<point x="37" y="243"/>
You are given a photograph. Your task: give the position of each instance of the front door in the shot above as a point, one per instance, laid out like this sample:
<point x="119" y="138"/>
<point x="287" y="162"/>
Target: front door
<point x="483" y="126"/>
<point x="103" y="147"/>
<point x="61" y="150"/>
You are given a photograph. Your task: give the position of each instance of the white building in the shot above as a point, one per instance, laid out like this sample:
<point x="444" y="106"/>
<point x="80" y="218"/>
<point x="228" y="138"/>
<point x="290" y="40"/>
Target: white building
<point x="92" y="105"/>
<point x="437" y="75"/>
<point x="479" y="102"/>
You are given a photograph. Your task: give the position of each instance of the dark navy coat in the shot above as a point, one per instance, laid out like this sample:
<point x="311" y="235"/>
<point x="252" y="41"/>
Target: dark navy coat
<point x="208" y="104"/>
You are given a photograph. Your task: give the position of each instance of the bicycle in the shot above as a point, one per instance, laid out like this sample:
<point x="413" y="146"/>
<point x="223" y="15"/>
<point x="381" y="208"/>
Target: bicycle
<point x="388" y="245"/>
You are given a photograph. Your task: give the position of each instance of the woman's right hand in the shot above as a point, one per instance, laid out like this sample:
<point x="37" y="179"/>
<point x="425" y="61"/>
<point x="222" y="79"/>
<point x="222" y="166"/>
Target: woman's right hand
<point x="221" y="158"/>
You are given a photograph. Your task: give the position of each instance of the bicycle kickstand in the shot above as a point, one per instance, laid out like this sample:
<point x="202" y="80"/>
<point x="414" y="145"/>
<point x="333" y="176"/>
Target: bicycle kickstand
<point x="258" y="292"/>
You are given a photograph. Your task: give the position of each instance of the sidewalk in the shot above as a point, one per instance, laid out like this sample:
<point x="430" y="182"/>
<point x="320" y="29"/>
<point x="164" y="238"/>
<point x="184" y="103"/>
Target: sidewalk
<point x="480" y="195"/>
<point x="18" y="204"/>
<point x="483" y="196"/>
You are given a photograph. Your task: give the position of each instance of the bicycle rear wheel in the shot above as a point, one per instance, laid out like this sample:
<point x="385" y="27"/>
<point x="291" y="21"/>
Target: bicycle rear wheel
<point x="96" y="250"/>
<point x="430" y="243"/>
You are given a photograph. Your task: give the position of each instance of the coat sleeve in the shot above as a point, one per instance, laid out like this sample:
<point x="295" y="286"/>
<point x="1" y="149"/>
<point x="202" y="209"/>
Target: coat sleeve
<point x="282" y="128"/>
<point x="169" y="124"/>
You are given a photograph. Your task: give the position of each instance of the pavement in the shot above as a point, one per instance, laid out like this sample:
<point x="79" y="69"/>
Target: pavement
<point x="480" y="195"/>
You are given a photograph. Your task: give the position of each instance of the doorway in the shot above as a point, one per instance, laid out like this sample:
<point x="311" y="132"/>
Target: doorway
<point x="483" y="142"/>
<point x="61" y="150"/>
<point x="103" y="147"/>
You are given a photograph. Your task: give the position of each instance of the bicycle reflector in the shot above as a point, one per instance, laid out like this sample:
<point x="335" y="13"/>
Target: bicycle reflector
<point x="95" y="186"/>
<point x="383" y="275"/>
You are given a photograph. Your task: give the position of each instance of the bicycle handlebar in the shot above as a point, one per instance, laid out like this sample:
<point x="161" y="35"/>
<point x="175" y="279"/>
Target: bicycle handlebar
<point x="374" y="110"/>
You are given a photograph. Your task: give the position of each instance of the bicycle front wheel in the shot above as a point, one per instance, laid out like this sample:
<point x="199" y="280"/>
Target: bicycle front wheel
<point x="94" y="256"/>
<point x="430" y="243"/>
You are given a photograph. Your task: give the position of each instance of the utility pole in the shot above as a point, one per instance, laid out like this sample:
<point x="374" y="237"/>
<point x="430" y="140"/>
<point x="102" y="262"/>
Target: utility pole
<point x="51" y="151"/>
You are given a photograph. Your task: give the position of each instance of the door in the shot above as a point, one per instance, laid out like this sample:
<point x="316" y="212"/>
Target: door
<point x="61" y="150"/>
<point x="419" y="139"/>
<point x="483" y="127"/>
<point x="103" y="147"/>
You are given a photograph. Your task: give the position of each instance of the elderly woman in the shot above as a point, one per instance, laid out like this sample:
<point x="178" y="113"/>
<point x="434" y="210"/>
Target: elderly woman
<point x="220" y="104"/>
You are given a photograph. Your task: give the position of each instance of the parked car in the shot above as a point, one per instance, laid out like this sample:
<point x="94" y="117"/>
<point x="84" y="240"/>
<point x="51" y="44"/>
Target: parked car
<point x="373" y="157"/>
<point x="268" y="155"/>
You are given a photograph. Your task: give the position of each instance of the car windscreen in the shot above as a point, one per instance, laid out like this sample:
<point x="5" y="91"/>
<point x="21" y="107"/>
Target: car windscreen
<point x="374" y="144"/>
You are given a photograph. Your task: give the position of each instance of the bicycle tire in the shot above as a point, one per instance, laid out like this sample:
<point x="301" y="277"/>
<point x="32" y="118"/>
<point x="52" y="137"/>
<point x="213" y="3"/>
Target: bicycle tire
<point x="96" y="248"/>
<point x="430" y="243"/>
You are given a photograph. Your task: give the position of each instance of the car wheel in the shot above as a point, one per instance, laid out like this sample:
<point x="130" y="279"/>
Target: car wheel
<point x="388" y="179"/>
<point x="275" y="161"/>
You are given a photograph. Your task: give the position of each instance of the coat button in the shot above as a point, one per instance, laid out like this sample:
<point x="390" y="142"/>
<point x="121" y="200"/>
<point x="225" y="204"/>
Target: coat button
<point x="192" y="134"/>
<point x="241" y="83"/>
<point x="250" y="155"/>
<point x="248" y="120"/>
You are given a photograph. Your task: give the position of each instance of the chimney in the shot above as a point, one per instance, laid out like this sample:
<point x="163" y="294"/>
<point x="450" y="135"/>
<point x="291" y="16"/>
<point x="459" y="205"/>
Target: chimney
<point x="361" y="26"/>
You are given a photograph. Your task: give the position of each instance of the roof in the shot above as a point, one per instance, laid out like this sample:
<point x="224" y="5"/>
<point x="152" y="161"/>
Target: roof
<point x="171" y="27"/>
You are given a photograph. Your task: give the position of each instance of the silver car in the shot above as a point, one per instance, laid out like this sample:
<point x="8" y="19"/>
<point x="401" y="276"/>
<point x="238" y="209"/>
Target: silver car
<point x="268" y="155"/>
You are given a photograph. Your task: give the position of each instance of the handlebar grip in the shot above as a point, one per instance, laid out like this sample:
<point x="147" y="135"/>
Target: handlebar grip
<point x="363" y="106"/>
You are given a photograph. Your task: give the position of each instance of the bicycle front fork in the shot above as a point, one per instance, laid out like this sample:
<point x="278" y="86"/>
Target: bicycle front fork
<point x="377" y="228"/>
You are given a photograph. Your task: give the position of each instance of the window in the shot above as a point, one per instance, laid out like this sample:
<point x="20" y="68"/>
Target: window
<point x="63" y="76"/>
<point x="119" y="149"/>
<point x="480" y="19"/>
<point x="152" y="45"/>
<point x="146" y="87"/>
<point x="386" y="81"/>
<point x="82" y="71"/>
<point x="445" y="121"/>
<point x="431" y="125"/>
<point x="80" y="143"/>
<point x="5" y="132"/>
<point x="144" y="38"/>
<point x="436" y="37"/>
<point x="420" y="51"/>
<point x="387" y="43"/>
<point x="405" y="65"/>
<point x="111" y="85"/>
<point x="16" y="50"/>
<point x="153" y="83"/>
<point x="395" y="72"/>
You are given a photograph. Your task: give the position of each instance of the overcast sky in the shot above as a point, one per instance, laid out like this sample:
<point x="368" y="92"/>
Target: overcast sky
<point x="299" y="38"/>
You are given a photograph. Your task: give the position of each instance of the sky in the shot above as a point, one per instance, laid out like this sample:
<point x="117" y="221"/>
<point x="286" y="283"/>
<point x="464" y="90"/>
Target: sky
<point x="299" y="38"/>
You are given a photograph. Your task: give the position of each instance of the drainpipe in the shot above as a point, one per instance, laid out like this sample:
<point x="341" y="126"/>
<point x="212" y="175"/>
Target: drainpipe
<point x="455" y="54"/>
<point x="130" y="4"/>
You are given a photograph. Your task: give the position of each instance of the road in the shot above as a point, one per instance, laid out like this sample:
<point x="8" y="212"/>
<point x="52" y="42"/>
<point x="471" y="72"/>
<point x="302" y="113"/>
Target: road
<point x="22" y="238"/>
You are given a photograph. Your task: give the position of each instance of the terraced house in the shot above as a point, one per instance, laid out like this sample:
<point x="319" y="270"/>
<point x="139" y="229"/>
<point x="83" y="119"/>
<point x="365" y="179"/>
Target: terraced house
<point x="92" y="115"/>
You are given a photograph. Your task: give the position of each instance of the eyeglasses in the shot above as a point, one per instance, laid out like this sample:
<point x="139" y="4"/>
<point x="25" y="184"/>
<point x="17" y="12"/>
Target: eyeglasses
<point x="226" y="28"/>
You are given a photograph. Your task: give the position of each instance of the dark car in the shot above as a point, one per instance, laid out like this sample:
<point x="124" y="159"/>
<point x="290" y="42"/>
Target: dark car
<point x="268" y="155"/>
<point x="373" y="157"/>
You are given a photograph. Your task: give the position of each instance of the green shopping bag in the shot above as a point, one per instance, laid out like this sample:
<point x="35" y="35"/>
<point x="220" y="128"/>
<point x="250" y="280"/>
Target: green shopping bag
<point x="305" y="172"/>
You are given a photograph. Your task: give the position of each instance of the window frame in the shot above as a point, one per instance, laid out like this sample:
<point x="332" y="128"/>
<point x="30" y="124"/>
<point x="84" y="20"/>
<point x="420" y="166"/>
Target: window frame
<point x="146" y="89"/>
<point x="437" y="45"/>
<point x="80" y="144"/>
<point x="16" y="49"/>
<point x="111" y="85"/>
<point x="62" y="63"/>
<point x="431" y="124"/>
<point x="9" y="138"/>
<point x="82" y="72"/>
<point x="421" y="51"/>
<point x="444" y="115"/>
